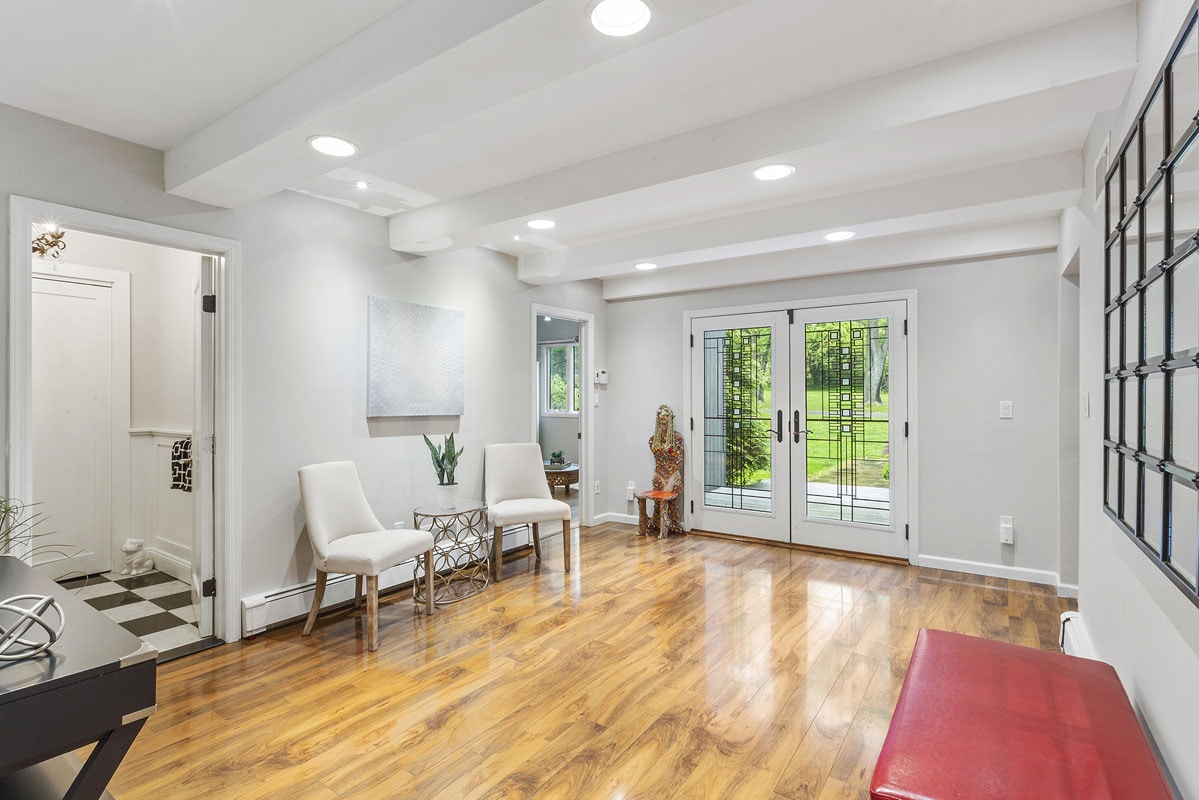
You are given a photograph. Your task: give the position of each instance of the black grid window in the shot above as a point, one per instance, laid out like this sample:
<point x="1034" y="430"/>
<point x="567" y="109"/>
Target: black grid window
<point x="1151" y="321"/>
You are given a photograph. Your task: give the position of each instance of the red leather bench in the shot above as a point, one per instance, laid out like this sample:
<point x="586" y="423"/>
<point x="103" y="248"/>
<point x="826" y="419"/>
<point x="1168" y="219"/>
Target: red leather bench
<point x="978" y="719"/>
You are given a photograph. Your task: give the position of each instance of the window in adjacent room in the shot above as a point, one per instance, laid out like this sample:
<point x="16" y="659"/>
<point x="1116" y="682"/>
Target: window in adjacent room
<point x="561" y="389"/>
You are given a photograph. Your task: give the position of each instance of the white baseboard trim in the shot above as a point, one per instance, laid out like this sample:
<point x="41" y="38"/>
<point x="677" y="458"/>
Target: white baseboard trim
<point x="628" y="519"/>
<point x="990" y="570"/>
<point x="1067" y="590"/>
<point x="174" y="566"/>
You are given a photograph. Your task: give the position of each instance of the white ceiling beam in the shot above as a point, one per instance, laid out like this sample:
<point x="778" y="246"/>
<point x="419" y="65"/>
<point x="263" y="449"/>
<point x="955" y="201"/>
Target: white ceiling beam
<point x="995" y="241"/>
<point x="1078" y="51"/>
<point x="1020" y="188"/>
<point x="212" y="164"/>
<point x="438" y="60"/>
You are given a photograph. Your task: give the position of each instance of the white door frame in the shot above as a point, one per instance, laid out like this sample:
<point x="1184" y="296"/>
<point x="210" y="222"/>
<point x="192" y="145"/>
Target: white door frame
<point x="118" y="284"/>
<point x="23" y="213"/>
<point x="586" y="447"/>
<point x="908" y="295"/>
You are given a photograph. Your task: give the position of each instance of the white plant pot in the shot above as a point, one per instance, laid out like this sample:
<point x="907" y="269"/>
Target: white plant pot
<point x="447" y="495"/>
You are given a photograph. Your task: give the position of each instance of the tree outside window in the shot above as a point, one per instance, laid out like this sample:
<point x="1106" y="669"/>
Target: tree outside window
<point x="561" y="385"/>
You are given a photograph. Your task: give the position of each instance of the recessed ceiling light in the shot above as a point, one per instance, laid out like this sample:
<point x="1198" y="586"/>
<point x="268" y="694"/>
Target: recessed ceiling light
<point x="541" y="224"/>
<point x="773" y="172"/>
<point x="516" y="238"/>
<point x="620" y="17"/>
<point x="644" y="265"/>
<point x="546" y="318"/>
<point x="361" y="184"/>
<point x="332" y="146"/>
<point x="838" y="236"/>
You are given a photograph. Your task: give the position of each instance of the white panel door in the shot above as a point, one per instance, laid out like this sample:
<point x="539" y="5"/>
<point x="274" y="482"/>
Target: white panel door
<point x="849" y="459"/>
<point x="740" y="456"/>
<point x="73" y="425"/>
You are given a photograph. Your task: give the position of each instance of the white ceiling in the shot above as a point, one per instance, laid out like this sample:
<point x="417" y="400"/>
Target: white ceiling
<point x="930" y="127"/>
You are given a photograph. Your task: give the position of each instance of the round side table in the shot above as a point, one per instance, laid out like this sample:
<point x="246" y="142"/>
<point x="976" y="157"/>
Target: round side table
<point x="461" y="552"/>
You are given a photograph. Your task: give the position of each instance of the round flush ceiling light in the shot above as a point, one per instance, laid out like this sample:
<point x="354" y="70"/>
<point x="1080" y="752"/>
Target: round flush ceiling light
<point x="774" y="172"/>
<point x="361" y="184"/>
<point x="620" y="17"/>
<point x="332" y="146"/>
<point x="541" y="224"/>
<point x="646" y="265"/>
<point x="838" y="236"/>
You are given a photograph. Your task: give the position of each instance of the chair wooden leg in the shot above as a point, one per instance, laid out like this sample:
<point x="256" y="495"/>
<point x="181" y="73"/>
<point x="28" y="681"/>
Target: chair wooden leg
<point x="357" y="591"/>
<point x="536" y="540"/>
<point x="663" y="519"/>
<point x="372" y="612"/>
<point x="497" y="553"/>
<point x="317" y="597"/>
<point x="566" y="543"/>
<point x="429" y="581"/>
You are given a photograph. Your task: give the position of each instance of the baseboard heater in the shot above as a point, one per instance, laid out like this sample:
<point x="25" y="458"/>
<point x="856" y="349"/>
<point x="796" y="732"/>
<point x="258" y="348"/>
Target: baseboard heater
<point x="260" y="612"/>
<point x="1075" y="641"/>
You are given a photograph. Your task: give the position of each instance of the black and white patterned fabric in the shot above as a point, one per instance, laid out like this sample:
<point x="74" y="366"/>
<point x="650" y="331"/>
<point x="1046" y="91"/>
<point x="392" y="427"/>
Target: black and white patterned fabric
<point x="181" y="465"/>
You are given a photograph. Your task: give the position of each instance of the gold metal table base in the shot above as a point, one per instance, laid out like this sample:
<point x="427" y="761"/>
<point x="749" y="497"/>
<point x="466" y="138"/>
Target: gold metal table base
<point x="461" y="552"/>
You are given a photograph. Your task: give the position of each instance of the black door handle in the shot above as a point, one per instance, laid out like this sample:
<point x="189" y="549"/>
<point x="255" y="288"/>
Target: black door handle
<point x="795" y="429"/>
<point x="779" y="432"/>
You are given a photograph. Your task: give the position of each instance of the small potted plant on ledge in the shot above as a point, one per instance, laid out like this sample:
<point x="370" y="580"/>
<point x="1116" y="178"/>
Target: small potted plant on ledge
<point x="556" y="458"/>
<point x="445" y="461"/>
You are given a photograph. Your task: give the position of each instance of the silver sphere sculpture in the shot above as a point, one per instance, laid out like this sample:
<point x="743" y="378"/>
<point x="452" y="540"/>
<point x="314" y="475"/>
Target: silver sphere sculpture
<point x="29" y="610"/>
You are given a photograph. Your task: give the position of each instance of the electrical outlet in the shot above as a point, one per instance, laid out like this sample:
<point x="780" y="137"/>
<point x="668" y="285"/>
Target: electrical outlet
<point x="597" y="487"/>
<point x="630" y="492"/>
<point x="1007" y="531"/>
<point x="1005" y="409"/>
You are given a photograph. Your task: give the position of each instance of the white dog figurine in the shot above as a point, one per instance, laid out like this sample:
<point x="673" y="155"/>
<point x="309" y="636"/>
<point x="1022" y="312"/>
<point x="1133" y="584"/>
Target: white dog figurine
<point x="136" y="560"/>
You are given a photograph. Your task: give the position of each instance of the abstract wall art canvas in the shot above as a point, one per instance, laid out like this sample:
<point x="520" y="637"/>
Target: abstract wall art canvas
<point x="417" y="359"/>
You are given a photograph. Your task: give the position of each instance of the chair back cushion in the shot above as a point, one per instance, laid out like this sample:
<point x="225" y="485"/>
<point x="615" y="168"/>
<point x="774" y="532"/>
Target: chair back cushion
<point x="334" y="505"/>
<point x="514" y="471"/>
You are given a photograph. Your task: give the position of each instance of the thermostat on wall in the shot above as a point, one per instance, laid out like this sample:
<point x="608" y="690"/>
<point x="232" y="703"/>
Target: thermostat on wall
<point x="601" y="376"/>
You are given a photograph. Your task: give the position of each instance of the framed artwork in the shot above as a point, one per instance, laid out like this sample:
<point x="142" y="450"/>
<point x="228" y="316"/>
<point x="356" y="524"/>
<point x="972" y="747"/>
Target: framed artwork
<point x="416" y="361"/>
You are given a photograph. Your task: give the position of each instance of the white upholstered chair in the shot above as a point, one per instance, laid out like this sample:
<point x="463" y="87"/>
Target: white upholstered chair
<point x="348" y="539"/>
<point x="516" y="493"/>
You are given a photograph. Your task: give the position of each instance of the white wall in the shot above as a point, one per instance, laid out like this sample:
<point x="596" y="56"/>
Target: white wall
<point x="308" y="269"/>
<point x="1137" y="619"/>
<point x="987" y="331"/>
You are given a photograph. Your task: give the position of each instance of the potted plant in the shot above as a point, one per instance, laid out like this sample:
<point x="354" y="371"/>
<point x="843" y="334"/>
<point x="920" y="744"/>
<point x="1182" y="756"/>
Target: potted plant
<point x="445" y="461"/>
<point x="17" y="535"/>
<point x="557" y="457"/>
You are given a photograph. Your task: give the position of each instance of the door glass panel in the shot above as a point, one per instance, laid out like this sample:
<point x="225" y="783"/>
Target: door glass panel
<point x="737" y="423"/>
<point x="1184" y="432"/>
<point x="1184" y="526"/>
<point x="1186" y="199"/>
<point x="1185" y="84"/>
<point x="1186" y="295"/>
<point x="1155" y="133"/>
<point x="1155" y="404"/>
<point x="1155" y="227"/>
<point x="1152" y="533"/>
<point x="1129" y="512"/>
<point x="1112" y="498"/>
<point x="848" y="421"/>
<point x="1132" y="332"/>
<point x="1155" y="316"/>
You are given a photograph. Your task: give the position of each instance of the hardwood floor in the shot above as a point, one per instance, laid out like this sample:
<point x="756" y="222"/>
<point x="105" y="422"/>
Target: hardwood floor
<point x="680" y="668"/>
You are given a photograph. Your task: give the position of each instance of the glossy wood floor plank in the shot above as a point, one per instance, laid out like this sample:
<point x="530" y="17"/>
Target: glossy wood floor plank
<point x="691" y="667"/>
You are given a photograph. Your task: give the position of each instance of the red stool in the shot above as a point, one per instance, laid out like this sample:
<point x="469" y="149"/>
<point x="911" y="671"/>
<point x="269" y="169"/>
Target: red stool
<point x="662" y="501"/>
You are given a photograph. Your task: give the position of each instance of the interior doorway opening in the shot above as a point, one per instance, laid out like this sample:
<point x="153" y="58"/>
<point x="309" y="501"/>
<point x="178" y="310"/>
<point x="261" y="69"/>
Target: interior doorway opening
<point x="220" y="568"/>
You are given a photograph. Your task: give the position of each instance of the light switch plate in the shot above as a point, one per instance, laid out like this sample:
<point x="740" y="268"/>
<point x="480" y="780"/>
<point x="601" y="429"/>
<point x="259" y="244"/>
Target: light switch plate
<point x="1005" y="409"/>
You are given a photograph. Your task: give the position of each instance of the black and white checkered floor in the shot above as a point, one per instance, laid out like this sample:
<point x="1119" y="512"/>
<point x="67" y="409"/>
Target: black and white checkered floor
<point x="153" y="606"/>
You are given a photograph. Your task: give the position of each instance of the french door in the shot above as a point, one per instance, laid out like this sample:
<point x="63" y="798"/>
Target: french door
<point x="799" y="422"/>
